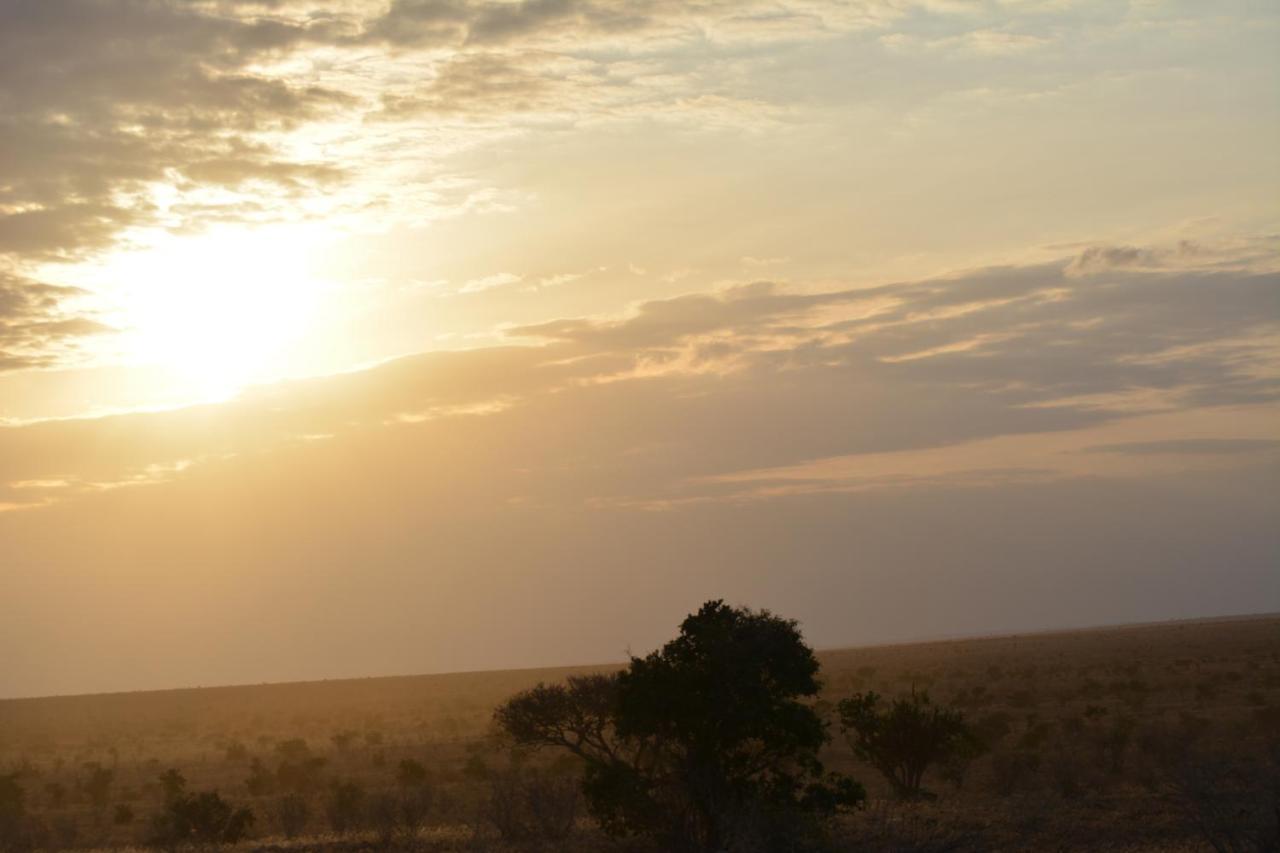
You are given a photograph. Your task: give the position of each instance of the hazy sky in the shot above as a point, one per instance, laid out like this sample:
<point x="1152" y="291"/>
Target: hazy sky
<point x="375" y="337"/>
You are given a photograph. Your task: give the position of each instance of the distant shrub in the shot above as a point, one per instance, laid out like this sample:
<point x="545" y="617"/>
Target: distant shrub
<point x="1233" y="803"/>
<point x="384" y="816"/>
<point x="237" y="751"/>
<point x="293" y="750"/>
<point x="905" y="738"/>
<point x="343" y="740"/>
<point x="292" y="813"/>
<point x="475" y="768"/>
<point x="410" y="774"/>
<point x="1112" y="743"/>
<point x="97" y="783"/>
<point x="344" y="806"/>
<point x="66" y="830"/>
<point x="1071" y="774"/>
<point x="415" y="804"/>
<point x="994" y="727"/>
<point x="261" y="781"/>
<point x="1267" y="718"/>
<point x="12" y="806"/>
<point x="1022" y="699"/>
<point x="300" y="776"/>
<point x="1036" y="735"/>
<point x="894" y="826"/>
<point x="1014" y="771"/>
<point x="525" y="806"/>
<point x="56" y="793"/>
<point x="123" y="815"/>
<point x="172" y="784"/>
<point x="201" y="818"/>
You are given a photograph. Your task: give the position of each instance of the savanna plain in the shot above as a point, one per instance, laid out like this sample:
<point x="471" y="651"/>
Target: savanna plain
<point x="1138" y="738"/>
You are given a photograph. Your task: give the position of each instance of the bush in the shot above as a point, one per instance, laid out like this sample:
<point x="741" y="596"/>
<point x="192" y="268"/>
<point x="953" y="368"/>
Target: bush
<point x="1014" y="772"/>
<point x="300" y="775"/>
<point x="1233" y="803"/>
<point x="903" y="740"/>
<point x="344" y="807"/>
<point x="201" y="818"/>
<point x="384" y="816"/>
<point x="261" y="781"/>
<point x="415" y="806"/>
<point x="292" y="814"/>
<point x="173" y="784"/>
<point x="12" y="809"/>
<point x="97" y="783"/>
<point x="410" y="774"/>
<point x="527" y="806"/>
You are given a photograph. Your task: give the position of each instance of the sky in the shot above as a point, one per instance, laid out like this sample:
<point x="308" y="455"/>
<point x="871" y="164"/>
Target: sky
<point x="399" y="336"/>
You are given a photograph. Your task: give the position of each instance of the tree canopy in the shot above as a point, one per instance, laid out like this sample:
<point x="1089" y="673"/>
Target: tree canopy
<point x="709" y="737"/>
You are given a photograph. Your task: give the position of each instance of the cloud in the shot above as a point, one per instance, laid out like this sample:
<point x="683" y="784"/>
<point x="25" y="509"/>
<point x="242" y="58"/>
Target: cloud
<point x="120" y="118"/>
<point x="635" y="23"/>
<point x="1191" y="446"/>
<point x="480" y="83"/>
<point x="705" y="384"/>
<point x="35" y="330"/>
<point x="984" y="42"/>
<point x="489" y="282"/>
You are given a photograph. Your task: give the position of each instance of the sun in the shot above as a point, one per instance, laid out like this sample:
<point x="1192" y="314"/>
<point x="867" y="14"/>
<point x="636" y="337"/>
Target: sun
<point x="220" y="310"/>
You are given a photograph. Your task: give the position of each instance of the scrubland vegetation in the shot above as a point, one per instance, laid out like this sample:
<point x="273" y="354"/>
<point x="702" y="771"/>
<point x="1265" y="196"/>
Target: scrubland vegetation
<point x="1160" y="737"/>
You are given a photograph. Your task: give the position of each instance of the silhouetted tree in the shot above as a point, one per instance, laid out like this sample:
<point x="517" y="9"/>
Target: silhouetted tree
<point x="698" y="739"/>
<point x="903" y="740"/>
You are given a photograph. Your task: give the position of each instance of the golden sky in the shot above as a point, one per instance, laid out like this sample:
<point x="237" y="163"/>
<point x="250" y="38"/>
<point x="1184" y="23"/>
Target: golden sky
<point x="406" y="335"/>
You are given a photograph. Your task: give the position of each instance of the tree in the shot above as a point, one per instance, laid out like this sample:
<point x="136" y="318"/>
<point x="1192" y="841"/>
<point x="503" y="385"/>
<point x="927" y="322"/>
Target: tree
<point x="694" y="742"/>
<point x="903" y="740"/>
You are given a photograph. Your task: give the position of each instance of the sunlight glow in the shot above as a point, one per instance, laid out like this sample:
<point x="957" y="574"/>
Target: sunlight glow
<point x="219" y="310"/>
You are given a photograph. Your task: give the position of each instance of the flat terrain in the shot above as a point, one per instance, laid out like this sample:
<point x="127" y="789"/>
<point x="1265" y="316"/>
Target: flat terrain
<point x="1126" y="738"/>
